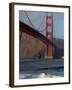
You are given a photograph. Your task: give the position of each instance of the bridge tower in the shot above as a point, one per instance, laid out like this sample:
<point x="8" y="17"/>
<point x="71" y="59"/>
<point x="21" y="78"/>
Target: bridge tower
<point x="49" y="34"/>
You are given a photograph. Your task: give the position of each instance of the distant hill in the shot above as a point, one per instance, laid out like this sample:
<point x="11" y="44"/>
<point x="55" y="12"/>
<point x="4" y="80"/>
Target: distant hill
<point x="59" y="42"/>
<point x="59" y="47"/>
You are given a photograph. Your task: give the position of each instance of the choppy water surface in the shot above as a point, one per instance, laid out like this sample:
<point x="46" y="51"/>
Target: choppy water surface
<point x="30" y="70"/>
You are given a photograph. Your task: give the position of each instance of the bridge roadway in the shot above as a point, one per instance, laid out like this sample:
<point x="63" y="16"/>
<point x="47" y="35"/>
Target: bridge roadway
<point x="35" y="33"/>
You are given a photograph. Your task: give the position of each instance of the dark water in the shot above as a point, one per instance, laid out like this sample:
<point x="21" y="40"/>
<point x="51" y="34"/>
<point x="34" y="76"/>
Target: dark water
<point x="41" y="68"/>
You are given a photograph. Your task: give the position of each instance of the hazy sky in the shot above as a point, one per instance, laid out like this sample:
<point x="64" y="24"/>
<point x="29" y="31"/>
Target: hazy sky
<point x="38" y="21"/>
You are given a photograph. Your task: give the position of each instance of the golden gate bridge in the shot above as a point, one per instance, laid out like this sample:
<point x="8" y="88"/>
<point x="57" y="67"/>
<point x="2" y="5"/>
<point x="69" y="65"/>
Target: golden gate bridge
<point x="48" y="32"/>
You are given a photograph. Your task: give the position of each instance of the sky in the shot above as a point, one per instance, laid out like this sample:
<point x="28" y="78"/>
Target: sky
<point x="37" y="20"/>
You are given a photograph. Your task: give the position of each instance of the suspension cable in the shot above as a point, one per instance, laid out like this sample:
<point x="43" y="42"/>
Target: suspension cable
<point x="29" y="19"/>
<point x="32" y="23"/>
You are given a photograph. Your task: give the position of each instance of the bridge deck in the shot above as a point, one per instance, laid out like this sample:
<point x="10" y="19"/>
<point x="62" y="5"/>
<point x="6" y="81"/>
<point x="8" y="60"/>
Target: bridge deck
<point x="35" y="33"/>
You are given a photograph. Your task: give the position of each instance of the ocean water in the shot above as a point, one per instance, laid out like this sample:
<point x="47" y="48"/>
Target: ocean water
<point x="50" y="74"/>
<point x="41" y="69"/>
